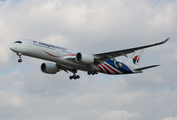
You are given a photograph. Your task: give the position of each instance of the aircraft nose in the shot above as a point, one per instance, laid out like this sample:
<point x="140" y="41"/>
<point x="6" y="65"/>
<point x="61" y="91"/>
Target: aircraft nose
<point x="12" y="47"/>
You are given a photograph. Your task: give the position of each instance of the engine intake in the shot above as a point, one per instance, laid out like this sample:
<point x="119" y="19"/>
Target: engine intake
<point x="49" y="68"/>
<point x="84" y="58"/>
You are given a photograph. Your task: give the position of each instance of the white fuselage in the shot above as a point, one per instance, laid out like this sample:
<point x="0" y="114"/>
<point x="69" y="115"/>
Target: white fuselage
<point x="70" y="60"/>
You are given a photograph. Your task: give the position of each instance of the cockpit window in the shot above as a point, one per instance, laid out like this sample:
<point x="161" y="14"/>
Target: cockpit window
<point x="18" y="42"/>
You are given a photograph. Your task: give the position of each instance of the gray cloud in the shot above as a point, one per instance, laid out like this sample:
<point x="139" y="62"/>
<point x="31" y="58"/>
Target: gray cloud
<point x="89" y="26"/>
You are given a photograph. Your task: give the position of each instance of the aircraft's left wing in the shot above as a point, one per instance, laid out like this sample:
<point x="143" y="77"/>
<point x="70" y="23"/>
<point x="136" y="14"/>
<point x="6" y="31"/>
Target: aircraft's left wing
<point x="111" y="55"/>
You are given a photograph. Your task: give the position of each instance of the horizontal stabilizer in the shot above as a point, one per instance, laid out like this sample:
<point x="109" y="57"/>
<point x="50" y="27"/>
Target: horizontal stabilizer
<point x="143" y="68"/>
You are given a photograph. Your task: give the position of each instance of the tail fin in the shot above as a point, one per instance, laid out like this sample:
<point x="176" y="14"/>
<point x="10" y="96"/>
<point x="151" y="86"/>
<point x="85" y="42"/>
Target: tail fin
<point x="133" y="62"/>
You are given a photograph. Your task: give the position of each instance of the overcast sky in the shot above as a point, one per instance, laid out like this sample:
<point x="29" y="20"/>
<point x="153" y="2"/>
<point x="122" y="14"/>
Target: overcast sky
<point x="90" y="26"/>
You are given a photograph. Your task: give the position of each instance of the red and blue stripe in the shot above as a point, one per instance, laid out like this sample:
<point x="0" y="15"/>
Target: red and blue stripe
<point x="114" y="67"/>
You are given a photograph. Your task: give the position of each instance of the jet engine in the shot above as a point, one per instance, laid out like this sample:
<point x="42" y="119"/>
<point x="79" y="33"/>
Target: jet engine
<point x="49" y="68"/>
<point x="84" y="58"/>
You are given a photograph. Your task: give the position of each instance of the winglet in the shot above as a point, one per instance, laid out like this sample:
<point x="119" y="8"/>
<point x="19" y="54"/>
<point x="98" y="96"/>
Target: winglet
<point x="162" y="41"/>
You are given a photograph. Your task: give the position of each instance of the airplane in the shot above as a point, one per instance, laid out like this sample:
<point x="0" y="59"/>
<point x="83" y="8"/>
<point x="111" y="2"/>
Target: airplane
<point x="70" y="60"/>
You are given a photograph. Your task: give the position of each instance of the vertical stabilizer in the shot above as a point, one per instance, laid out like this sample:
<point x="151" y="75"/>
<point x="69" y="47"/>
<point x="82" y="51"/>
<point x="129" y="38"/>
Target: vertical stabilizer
<point x="133" y="62"/>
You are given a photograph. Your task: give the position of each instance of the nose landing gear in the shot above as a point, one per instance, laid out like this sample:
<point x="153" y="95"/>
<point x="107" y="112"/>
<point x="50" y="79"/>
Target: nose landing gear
<point x="20" y="59"/>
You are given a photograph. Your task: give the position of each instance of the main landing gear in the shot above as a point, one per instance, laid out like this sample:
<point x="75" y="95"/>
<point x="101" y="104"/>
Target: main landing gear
<point x="20" y="59"/>
<point x="93" y="72"/>
<point x="74" y="77"/>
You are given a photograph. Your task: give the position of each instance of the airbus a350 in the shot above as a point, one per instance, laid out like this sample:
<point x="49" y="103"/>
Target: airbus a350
<point x="70" y="60"/>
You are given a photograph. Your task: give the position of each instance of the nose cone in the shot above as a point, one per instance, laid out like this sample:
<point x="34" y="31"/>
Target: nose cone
<point x="12" y="47"/>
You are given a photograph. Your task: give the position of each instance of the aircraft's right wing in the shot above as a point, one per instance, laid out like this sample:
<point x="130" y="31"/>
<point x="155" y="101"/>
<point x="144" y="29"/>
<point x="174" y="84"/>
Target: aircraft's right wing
<point x="101" y="57"/>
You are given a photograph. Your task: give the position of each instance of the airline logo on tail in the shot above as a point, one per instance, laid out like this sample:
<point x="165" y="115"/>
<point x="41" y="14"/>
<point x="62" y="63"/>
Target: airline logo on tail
<point x="136" y="59"/>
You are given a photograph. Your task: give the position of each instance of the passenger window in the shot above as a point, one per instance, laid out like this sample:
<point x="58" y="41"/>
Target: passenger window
<point x="18" y="42"/>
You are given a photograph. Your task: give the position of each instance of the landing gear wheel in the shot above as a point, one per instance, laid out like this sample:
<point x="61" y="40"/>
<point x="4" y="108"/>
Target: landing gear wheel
<point x="70" y="77"/>
<point x="88" y="72"/>
<point x="77" y="76"/>
<point x="92" y="72"/>
<point x="74" y="77"/>
<point x="20" y="60"/>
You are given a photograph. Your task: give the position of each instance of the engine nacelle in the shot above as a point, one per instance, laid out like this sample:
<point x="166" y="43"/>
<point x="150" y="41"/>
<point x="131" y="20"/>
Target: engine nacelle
<point x="49" y="68"/>
<point x="84" y="58"/>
